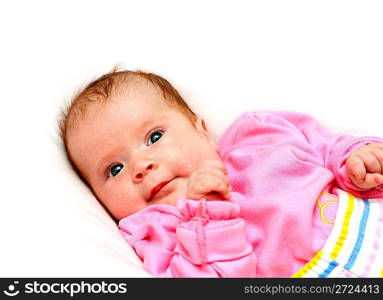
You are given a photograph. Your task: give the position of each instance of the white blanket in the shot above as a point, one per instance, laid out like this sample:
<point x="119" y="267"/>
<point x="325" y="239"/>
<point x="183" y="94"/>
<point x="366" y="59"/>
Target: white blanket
<point x="225" y="57"/>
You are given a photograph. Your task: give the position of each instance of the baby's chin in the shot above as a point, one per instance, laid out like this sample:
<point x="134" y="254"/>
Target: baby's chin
<point x="170" y="199"/>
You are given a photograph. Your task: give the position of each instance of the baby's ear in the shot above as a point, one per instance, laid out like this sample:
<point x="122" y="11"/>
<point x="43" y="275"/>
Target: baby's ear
<point x="201" y="127"/>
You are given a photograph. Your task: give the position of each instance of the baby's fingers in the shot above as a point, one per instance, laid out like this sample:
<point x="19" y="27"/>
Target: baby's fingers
<point x="216" y="189"/>
<point x="370" y="161"/>
<point x="210" y="187"/>
<point x="378" y="153"/>
<point x="355" y="168"/>
<point x="372" y="180"/>
<point x="224" y="190"/>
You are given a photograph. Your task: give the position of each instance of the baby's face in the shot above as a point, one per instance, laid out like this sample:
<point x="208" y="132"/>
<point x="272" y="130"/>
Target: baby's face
<point x="135" y="151"/>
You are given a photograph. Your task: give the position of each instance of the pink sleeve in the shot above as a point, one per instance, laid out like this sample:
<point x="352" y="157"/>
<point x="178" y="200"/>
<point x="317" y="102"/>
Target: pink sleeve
<point x="330" y="150"/>
<point x="198" y="238"/>
<point x="334" y="148"/>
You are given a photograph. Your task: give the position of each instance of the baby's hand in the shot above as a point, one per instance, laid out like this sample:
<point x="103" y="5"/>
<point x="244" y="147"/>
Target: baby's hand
<point x="365" y="166"/>
<point x="209" y="182"/>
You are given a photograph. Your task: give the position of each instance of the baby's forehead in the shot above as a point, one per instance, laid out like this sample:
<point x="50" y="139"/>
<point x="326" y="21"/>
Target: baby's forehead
<point x="133" y="109"/>
<point x="137" y="86"/>
<point x="123" y="95"/>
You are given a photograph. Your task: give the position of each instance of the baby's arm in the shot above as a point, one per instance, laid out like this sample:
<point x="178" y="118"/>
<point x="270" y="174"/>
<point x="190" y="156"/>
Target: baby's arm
<point x="198" y="238"/>
<point x="333" y="148"/>
<point x="211" y="241"/>
<point x="305" y="137"/>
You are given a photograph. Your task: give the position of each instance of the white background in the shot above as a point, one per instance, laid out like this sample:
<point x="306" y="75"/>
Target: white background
<point x="225" y="57"/>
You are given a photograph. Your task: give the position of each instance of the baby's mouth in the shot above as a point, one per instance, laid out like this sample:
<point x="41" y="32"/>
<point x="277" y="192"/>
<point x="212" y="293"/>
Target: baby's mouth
<point x="155" y="190"/>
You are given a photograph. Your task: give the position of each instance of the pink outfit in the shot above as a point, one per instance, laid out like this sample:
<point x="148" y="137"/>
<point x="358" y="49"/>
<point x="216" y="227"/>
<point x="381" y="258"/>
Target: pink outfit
<point x="282" y="166"/>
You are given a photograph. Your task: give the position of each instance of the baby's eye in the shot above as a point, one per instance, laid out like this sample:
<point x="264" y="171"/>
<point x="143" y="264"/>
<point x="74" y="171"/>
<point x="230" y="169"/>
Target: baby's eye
<point x="115" y="169"/>
<point x="154" y="137"/>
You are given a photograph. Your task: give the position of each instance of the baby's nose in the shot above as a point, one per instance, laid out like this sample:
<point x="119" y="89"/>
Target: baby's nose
<point x="143" y="169"/>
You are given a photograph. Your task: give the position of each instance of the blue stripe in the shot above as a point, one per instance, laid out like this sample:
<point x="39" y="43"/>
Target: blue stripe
<point x="361" y="233"/>
<point x="329" y="269"/>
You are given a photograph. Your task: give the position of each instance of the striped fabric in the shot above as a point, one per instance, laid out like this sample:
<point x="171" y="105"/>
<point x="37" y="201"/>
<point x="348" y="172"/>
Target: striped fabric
<point x="354" y="247"/>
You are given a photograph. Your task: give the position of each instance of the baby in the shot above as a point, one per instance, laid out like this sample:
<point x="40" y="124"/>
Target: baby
<point x="277" y="196"/>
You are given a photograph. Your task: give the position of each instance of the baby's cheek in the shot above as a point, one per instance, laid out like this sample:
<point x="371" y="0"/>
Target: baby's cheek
<point x="124" y="201"/>
<point x="189" y="155"/>
<point x="189" y="160"/>
<point x="113" y="193"/>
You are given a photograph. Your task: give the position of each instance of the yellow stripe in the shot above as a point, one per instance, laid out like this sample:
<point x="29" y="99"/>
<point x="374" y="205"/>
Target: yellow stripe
<point x="307" y="267"/>
<point x="381" y="273"/>
<point x="339" y="243"/>
<point x="346" y="222"/>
